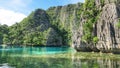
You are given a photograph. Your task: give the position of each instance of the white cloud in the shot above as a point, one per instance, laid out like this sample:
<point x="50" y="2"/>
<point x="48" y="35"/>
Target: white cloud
<point x="10" y="17"/>
<point x="22" y="6"/>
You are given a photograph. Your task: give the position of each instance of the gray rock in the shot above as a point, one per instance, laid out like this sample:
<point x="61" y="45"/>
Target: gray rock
<point x="105" y="29"/>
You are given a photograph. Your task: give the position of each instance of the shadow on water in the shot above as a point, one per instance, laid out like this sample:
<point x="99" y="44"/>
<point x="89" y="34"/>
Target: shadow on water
<point x="65" y="58"/>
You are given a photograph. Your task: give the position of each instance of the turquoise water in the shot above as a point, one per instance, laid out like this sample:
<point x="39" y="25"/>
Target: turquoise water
<point x="28" y="51"/>
<point x="54" y="57"/>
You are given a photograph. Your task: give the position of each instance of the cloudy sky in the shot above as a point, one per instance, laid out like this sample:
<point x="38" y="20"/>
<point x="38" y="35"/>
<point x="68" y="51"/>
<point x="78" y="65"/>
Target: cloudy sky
<point x="12" y="11"/>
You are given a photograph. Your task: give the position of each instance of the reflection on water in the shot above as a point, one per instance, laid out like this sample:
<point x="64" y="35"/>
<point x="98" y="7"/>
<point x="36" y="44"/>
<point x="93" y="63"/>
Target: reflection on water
<point x="96" y="63"/>
<point x="63" y="58"/>
<point x="35" y="62"/>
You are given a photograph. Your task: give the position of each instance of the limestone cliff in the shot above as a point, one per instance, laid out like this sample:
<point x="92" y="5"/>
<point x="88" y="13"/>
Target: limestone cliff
<point x="105" y="28"/>
<point x="65" y="20"/>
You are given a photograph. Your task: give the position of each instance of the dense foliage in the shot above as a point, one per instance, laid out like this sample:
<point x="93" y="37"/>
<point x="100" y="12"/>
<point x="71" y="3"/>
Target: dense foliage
<point x="33" y="30"/>
<point x="91" y="14"/>
<point x="3" y="32"/>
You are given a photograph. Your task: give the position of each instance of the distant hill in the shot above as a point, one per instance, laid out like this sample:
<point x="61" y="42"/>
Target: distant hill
<point x="90" y="26"/>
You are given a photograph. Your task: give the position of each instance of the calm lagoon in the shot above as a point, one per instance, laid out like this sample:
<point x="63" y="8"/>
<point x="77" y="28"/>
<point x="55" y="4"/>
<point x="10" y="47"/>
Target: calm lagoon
<point x="54" y="57"/>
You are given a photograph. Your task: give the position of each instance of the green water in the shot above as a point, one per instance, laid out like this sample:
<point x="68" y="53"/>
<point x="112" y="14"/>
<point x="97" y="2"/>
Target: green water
<point x="54" y="57"/>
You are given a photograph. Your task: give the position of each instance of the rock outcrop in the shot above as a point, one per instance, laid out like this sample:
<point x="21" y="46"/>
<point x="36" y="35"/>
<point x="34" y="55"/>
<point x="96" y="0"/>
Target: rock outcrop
<point x="66" y="20"/>
<point x="105" y="29"/>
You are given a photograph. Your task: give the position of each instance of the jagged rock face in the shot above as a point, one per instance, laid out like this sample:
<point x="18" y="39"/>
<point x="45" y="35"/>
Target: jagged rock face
<point x="107" y="30"/>
<point x="106" y="1"/>
<point x="66" y="17"/>
<point x="77" y="39"/>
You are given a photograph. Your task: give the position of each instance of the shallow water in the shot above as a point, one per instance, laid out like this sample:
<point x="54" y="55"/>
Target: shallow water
<point x="54" y="57"/>
<point x="32" y="51"/>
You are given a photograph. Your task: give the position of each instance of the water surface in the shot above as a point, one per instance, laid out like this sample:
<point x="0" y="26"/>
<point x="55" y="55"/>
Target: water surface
<point x="54" y="57"/>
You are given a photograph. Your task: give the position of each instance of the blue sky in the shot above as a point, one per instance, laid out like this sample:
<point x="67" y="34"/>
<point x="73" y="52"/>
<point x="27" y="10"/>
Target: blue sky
<point x="12" y="9"/>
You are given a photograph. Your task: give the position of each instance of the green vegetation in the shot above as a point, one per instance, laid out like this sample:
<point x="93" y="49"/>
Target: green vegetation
<point x="95" y="40"/>
<point x="102" y="3"/>
<point x="118" y="24"/>
<point x="33" y="30"/>
<point x="91" y="14"/>
<point x="3" y="31"/>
